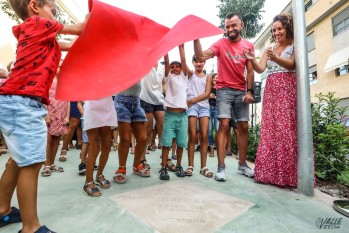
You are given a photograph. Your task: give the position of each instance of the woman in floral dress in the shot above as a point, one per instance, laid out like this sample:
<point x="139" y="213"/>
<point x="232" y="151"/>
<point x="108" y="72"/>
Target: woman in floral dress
<point x="276" y="159"/>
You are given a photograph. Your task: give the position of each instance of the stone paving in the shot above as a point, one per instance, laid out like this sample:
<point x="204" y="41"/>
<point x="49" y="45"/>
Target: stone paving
<point x="190" y="204"/>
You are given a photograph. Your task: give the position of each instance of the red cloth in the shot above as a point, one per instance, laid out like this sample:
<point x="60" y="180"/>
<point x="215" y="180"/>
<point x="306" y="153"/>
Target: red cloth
<point x="117" y="48"/>
<point x="37" y="60"/>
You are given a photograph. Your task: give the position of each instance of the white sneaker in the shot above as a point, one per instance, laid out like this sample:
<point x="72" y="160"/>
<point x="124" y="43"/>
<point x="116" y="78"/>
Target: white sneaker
<point x="220" y="175"/>
<point x="244" y="169"/>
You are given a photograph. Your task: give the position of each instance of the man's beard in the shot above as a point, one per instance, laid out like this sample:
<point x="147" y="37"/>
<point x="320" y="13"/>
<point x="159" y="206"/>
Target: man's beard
<point x="232" y="38"/>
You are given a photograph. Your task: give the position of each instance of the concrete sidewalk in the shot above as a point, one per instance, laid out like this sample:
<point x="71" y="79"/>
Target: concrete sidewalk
<point x="191" y="204"/>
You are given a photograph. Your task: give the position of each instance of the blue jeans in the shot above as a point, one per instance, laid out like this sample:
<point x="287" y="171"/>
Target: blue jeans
<point x="128" y="109"/>
<point x="23" y="126"/>
<point x="213" y="124"/>
<point x="230" y="103"/>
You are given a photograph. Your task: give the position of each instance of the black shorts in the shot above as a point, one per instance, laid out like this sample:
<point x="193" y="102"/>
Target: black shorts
<point x="147" y="107"/>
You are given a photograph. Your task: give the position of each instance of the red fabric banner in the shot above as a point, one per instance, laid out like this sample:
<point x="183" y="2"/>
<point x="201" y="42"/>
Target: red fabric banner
<point x="118" y="48"/>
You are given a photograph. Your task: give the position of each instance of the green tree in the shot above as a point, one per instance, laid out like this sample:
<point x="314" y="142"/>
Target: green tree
<point x="249" y="11"/>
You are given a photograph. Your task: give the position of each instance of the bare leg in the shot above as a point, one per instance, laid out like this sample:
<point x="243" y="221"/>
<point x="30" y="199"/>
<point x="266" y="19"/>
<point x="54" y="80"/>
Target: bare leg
<point x="84" y="151"/>
<point x="27" y="186"/>
<point x="73" y="124"/>
<point x="79" y="136"/>
<point x="54" y="149"/>
<point x="220" y="139"/>
<point x="105" y="135"/>
<point x="204" y="121"/>
<point x="8" y="184"/>
<point x="149" y="129"/>
<point x="165" y="152"/>
<point x="159" y="118"/>
<point x="115" y="138"/>
<point x="93" y="137"/>
<point x="125" y="140"/>
<point x="242" y="140"/>
<point x="192" y="139"/>
<point x="140" y="133"/>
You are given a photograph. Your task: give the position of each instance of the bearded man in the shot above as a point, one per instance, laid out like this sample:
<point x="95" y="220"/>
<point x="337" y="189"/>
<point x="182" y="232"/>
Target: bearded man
<point x="234" y="90"/>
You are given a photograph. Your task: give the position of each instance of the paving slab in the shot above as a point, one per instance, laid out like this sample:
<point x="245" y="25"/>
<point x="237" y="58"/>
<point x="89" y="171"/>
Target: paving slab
<point x="178" y="205"/>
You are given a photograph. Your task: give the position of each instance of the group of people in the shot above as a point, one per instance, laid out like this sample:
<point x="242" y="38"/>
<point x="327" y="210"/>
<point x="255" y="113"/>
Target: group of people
<point x="179" y="99"/>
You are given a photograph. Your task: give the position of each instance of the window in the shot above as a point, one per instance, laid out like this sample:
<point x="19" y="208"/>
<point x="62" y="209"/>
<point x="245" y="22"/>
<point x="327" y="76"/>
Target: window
<point x="311" y="41"/>
<point x="342" y="70"/>
<point x="340" y="22"/>
<point x="308" y="5"/>
<point x="312" y="75"/>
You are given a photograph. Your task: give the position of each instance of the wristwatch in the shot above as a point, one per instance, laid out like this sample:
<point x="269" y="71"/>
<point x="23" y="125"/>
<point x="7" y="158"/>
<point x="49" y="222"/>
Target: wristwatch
<point x="250" y="90"/>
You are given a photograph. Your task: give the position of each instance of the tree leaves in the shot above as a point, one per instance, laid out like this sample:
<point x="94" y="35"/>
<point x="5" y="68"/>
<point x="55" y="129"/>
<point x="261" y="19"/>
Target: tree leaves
<point x="249" y="11"/>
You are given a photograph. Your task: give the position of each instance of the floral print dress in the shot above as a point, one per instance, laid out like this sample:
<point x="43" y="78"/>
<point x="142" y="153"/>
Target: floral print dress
<point x="276" y="159"/>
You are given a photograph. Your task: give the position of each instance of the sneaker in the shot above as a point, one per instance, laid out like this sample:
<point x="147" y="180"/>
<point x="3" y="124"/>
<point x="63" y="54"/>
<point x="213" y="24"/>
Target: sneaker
<point x="164" y="174"/>
<point x="179" y="171"/>
<point x="174" y="157"/>
<point x="244" y="169"/>
<point x="82" y="168"/>
<point x="220" y="175"/>
<point x="228" y="153"/>
<point x="197" y="147"/>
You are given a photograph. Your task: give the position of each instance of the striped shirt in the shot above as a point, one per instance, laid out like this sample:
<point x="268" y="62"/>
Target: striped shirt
<point x="196" y="87"/>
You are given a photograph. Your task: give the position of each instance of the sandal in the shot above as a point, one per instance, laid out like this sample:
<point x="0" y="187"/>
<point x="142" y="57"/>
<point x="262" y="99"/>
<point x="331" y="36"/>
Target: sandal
<point x="46" y="171"/>
<point x="170" y="166"/>
<point x="91" y="192"/>
<point x="120" y="175"/>
<point x="145" y="164"/>
<point x="13" y="217"/>
<point x="150" y="148"/>
<point x="104" y="184"/>
<point x="3" y="151"/>
<point x="141" y="171"/>
<point x="54" y="168"/>
<point x="189" y="171"/>
<point x="205" y="172"/>
<point x="63" y="156"/>
<point x="179" y="171"/>
<point x="153" y="146"/>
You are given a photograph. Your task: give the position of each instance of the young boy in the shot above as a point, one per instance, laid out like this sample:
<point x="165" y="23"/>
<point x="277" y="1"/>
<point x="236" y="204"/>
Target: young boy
<point x="22" y="112"/>
<point x="176" y="118"/>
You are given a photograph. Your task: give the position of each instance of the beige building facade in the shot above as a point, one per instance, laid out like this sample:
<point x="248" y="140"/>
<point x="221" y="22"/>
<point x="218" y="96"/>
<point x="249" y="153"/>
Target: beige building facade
<point x="327" y="29"/>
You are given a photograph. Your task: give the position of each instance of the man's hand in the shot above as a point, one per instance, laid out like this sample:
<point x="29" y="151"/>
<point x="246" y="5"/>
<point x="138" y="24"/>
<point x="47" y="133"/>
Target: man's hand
<point x="248" y="98"/>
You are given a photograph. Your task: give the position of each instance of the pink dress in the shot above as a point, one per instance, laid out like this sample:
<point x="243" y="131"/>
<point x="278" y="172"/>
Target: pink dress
<point x="276" y="159"/>
<point x="57" y="109"/>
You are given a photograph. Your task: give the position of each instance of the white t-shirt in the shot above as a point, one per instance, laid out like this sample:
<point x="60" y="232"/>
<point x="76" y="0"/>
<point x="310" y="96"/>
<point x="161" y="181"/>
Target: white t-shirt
<point x="152" y="87"/>
<point x="176" y="93"/>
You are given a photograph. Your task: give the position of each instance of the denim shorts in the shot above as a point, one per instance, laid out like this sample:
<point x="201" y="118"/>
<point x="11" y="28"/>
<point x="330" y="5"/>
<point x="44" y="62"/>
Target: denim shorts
<point x="229" y="104"/>
<point x="175" y="123"/>
<point x="151" y="107"/>
<point x="23" y="126"/>
<point x="84" y="134"/>
<point x="128" y="109"/>
<point x="198" y="111"/>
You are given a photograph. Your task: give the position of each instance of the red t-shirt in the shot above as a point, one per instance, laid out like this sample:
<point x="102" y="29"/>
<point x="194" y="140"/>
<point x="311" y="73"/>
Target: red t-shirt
<point x="231" y="62"/>
<point x="38" y="56"/>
